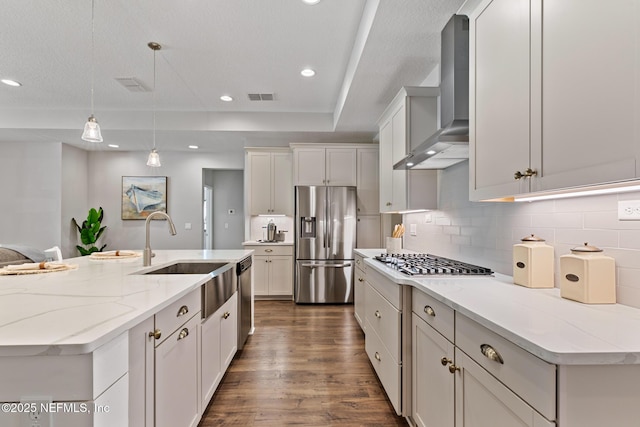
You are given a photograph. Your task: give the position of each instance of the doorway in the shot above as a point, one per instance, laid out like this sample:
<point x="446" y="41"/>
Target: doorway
<point x="225" y="208"/>
<point x="207" y="213"/>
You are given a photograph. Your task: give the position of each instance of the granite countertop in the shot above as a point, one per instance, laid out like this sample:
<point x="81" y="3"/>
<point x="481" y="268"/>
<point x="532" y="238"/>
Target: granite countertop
<point x="76" y="311"/>
<point x="557" y="330"/>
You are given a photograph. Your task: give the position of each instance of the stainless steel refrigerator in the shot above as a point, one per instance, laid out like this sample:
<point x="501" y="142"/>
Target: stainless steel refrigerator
<point x="325" y="227"/>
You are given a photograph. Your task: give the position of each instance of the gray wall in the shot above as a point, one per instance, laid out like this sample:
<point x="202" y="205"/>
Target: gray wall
<point x="228" y="193"/>
<point x="31" y="188"/>
<point x="74" y="197"/>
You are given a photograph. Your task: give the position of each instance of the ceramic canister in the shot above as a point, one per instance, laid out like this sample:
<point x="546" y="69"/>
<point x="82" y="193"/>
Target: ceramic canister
<point x="588" y="276"/>
<point x="533" y="263"/>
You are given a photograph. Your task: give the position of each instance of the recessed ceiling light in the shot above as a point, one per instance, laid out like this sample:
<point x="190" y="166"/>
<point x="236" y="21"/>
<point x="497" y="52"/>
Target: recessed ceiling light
<point x="226" y="98"/>
<point x="311" y="1"/>
<point x="10" y="82"/>
<point x="114" y="145"/>
<point x="409" y="164"/>
<point x="194" y="147"/>
<point x="308" y="72"/>
<point x="431" y="152"/>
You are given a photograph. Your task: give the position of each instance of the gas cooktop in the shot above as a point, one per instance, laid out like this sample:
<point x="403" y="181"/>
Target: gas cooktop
<point x="429" y="265"/>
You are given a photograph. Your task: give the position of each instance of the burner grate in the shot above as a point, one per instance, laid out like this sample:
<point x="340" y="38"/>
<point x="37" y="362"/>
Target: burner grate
<point x="428" y="264"/>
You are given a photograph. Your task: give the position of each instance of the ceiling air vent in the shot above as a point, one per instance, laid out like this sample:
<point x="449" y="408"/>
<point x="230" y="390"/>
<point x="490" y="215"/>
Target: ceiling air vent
<point x="131" y="84"/>
<point x="261" y="97"/>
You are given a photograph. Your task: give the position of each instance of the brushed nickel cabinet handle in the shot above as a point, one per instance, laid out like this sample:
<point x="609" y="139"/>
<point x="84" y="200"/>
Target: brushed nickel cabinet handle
<point x="445" y="361"/>
<point x="491" y="353"/>
<point x="226" y="315"/>
<point x="268" y="250"/>
<point x="378" y="315"/>
<point x="429" y="311"/>
<point x="155" y="334"/>
<point x="377" y="356"/>
<point x="183" y="334"/>
<point x="183" y="310"/>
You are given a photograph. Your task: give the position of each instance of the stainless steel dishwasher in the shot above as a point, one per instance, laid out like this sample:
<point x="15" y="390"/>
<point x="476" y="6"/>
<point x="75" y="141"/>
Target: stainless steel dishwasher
<point x="243" y="270"/>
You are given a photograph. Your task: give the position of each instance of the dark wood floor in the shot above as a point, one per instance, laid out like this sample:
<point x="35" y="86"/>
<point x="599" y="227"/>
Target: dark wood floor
<point x="305" y="365"/>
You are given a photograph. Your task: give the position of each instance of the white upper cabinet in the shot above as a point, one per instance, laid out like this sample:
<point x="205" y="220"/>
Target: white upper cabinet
<point x="367" y="180"/>
<point x="553" y="108"/>
<point x="325" y="166"/>
<point x="269" y="177"/>
<point x="408" y="120"/>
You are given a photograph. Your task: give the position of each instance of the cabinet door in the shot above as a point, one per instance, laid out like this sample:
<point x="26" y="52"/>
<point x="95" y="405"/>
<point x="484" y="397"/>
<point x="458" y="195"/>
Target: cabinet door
<point x="260" y="275"/>
<point x="211" y="371"/>
<point x="386" y="167"/>
<point x="260" y="183"/>
<point x="280" y="275"/>
<point x="141" y="370"/>
<point x="432" y="383"/>
<point x="481" y="400"/>
<point x="341" y="166"/>
<point x="368" y="232"/>
<point x="589" y="131"/>
<point x="359" y="298"/>
<point x="500" y="114"/>
<point x="228" y="317"/>
<point x="281" y="184"/>
<point x="367" y="181"/>
<point x="177" y="378"/>
<point x="309" y="166"/>
<point x="399" y="132"/>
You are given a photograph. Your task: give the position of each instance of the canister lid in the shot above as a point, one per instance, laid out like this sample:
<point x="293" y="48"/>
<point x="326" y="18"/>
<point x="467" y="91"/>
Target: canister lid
<point x="586" y="248"/>
<point x="532" y="238"/>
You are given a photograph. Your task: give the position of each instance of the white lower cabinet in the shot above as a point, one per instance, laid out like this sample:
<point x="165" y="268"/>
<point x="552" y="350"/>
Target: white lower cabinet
<point x="359" y="286"/>
<point x="272" y="270"/>
<point x="176" y="385"/>
<point x="219" y="338"/>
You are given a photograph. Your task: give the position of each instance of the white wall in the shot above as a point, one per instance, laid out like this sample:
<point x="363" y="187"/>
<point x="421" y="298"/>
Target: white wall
<point x="184" y="195"/>
<point x="30" y="202"/>
<point x="74" y="201"/>
<point x="484" y="233"/>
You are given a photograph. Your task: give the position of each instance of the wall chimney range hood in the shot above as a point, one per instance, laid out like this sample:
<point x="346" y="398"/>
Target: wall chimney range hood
<point x="450" y="144"/>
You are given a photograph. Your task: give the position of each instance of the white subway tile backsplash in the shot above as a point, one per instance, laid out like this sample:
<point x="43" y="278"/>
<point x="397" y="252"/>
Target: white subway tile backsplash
<point x="484" y="233"/>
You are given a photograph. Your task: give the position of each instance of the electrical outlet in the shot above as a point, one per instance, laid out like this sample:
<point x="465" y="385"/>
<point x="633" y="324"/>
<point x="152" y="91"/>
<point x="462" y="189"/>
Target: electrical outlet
<point x="427" y="218"/>
<point x="629" y="210"/>
<point x="37" y="414"/>
<point x="413" y="229"/>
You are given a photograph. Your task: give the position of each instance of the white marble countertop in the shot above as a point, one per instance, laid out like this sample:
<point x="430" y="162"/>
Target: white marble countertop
<point x="76" y="311"/>
<point x="555" y="329"/>
<point x="260" y="243"/>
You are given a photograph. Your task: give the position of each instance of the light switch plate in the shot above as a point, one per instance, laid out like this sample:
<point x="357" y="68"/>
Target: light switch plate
<point x="629" y="210"/>
<point x="413" y="229"/>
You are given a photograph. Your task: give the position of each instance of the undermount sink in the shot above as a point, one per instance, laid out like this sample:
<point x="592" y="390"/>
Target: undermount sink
<point x="215" y="291"/>
<point x="189" y="268"/>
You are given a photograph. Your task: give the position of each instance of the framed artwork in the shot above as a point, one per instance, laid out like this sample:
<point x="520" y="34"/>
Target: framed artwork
<point x="142" y="195"/>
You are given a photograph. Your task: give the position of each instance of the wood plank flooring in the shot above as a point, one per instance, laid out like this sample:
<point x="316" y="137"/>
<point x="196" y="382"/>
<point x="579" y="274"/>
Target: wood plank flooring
<point x="305" y="365"/>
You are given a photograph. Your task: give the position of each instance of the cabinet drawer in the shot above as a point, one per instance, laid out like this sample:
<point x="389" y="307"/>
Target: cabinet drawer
<point x="384" y="318"/>
<point x="531" y="378"/>
<point x="171" y="317"/>
<point x="435" y="313"/>
<point x="388" y="289"/>
<point x="387" y="369"/>
<point x="271" y="249"/>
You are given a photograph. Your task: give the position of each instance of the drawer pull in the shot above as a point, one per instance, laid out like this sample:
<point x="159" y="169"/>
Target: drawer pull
<point x="377" y="356"/>
<point x="155" y="334"/>
<point x="360" y="279"/>
<point x="268" y="250"/>
<point x="378" y="315"/>
<point x="226" y="315"/>
<point x="491" y="354"/>
<point x="183" y="310"/>
<point x="453" y="368"/>
<point x="429" y="311"/>
<point x="183" y="334"/>
<point x="445" y="361"/>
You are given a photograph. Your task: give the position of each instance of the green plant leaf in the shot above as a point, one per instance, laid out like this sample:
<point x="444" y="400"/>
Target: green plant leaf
<point x="93" y="216"/>
<point x="100" y="232"/>
<point x="87" y="236"/>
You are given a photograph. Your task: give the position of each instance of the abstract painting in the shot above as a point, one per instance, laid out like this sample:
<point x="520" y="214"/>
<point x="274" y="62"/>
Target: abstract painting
<point x="142" y="195"/>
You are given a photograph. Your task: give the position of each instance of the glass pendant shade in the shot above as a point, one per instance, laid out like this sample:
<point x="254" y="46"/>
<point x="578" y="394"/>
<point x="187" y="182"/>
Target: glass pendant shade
<point x="92" y="130"/>
<point x="154" y="159"/>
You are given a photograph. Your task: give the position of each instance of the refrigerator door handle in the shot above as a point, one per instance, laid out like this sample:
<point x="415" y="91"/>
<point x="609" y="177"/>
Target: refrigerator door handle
<point x="345" y="265"/>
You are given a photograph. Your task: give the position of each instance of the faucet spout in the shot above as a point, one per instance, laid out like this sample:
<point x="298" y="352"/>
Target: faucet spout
<point x="147" y="247"/>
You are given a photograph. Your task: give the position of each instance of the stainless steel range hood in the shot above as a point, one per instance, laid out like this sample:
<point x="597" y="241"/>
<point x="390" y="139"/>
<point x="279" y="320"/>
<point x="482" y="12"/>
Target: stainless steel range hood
<point x="450" y="144"/>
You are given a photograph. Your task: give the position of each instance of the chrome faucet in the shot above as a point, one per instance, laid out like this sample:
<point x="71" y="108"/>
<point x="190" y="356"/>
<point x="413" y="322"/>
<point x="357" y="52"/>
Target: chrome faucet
<point x="147" y="247"/>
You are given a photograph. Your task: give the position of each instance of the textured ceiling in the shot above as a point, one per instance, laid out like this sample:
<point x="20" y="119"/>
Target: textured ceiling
<point x="362" y="50"/>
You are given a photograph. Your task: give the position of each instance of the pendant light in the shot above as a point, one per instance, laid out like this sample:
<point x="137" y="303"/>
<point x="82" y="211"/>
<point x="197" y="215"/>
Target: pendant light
<point x="92" y="128"/>
<point x="154" y="157"/>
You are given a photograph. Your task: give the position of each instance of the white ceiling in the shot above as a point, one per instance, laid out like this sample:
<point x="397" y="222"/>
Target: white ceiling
<point x="362" y="50"/>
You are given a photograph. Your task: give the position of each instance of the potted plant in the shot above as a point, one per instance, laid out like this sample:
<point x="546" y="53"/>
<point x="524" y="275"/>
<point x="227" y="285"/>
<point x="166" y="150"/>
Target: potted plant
<point x="90" y="232"/>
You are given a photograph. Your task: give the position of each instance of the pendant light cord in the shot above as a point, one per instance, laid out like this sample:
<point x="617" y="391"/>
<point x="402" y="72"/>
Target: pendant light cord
<point x="154" y="99"/>
<point x="93" y="65"/>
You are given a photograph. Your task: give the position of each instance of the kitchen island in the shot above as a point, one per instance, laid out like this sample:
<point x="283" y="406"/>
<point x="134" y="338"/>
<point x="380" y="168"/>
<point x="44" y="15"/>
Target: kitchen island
<point x="65" y="336"/>
<point x="483" y="340"/>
